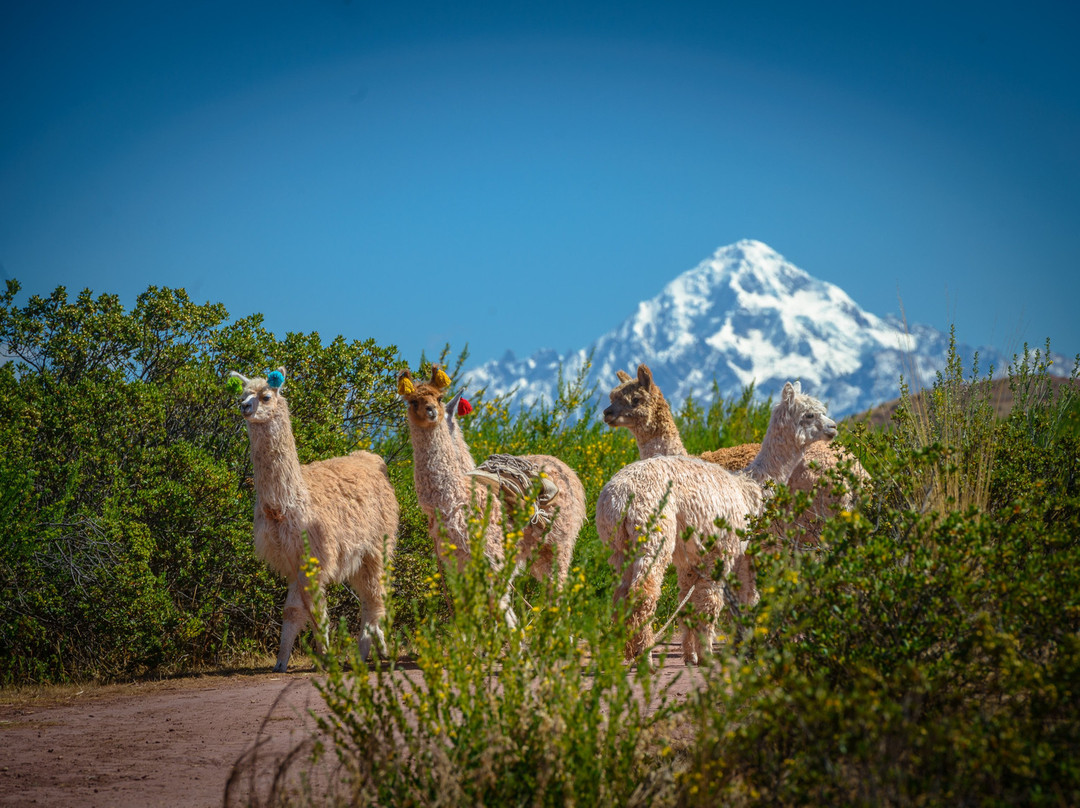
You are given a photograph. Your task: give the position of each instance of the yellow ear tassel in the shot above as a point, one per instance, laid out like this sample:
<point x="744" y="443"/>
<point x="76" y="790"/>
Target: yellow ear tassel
<point x="405" y="386"/>
<point x="440" y="378"/>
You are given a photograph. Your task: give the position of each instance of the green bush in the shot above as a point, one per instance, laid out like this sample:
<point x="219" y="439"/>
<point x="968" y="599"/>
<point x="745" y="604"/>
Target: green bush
<point x="126" y="484"/>
<point x="485" y="712"/>
<point x="928" y="653"/>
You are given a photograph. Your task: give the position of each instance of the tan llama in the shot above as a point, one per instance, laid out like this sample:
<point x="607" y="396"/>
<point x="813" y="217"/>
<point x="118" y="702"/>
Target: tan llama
<point x="450" y="487"/>
<point x="345" y="505"/>
<point x="638" y="405"/>
<point x="664" y="509"/>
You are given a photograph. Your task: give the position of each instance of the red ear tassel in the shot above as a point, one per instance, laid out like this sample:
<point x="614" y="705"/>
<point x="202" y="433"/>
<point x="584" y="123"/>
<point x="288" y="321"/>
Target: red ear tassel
<point x="463" y="407"/>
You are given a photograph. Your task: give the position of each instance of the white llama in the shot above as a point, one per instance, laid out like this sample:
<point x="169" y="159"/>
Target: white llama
<point x="664" y="510"/>
<point x="345" y="505"/>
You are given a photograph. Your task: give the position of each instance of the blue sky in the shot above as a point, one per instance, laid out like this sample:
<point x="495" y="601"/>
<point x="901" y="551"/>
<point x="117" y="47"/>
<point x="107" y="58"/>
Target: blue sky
<point x="519" y="176"/>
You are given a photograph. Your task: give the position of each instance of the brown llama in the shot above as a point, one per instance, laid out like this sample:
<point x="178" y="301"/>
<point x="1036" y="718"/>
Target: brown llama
<point x="450" y="488"/>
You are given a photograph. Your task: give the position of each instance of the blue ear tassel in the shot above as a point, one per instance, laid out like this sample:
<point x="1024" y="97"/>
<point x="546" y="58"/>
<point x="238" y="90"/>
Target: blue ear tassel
<point x="275" y="379"/>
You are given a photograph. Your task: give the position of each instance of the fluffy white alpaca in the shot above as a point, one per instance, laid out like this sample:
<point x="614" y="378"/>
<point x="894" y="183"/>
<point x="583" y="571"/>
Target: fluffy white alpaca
<point x="449" y="489"/>
<point x="664" y="509"/>
<point x="346" y="505"/>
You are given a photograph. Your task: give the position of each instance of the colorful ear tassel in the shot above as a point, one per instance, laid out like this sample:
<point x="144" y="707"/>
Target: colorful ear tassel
<point x="234" y="386"/>
<point x="440" y="378"/>
<point x="405" y="386"/>
<point x="275" y="379"/>
<point x="463" y="407"/>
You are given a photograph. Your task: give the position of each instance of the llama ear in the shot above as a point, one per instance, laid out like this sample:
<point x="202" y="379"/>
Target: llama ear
<point x="235" y="383"/>
<point x="276" y="378"/>
<point x="452" y="407"/>
<point x="787" y="395"/>
<point x="622" y="375"/>
<point x="405" y="386"/>
<point x="439" y="377"/>
<point x="644" y="375"/>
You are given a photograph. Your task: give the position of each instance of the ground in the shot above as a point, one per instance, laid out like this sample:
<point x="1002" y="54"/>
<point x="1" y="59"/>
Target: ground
<point x="162" y="743"/>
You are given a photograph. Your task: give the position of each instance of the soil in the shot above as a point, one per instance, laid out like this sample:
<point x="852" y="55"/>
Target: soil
<point x="166" y="743"/>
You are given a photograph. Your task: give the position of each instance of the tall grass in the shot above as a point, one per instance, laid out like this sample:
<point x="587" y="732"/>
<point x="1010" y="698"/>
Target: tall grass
<point x="954" y="422"/>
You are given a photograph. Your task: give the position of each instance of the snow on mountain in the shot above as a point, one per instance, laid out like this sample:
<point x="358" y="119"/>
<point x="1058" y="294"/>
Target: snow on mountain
<point x="745" y="315"/>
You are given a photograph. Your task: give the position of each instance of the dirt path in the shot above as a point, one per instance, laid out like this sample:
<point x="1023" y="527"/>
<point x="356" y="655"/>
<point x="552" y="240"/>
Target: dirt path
<point x="170" y="743"/>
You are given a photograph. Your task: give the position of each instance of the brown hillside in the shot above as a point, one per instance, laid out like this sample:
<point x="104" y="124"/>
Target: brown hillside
<point x="882" y="414"/>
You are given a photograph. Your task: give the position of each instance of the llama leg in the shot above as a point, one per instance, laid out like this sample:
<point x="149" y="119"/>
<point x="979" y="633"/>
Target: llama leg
<point x="745" y="580"/>
<point x="296" y="615"/>
<point x="504" y="602"/>
<point x="690" y="619"/>
<point x="368" y="584"/>
<point x="644" y="593"/>
<point x="641" y="583"/>
<point x="708" y="600"/>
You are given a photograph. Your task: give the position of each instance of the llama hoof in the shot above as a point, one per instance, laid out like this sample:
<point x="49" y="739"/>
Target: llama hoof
<point x="691" y="659"/>
<point x="281" y="667"/>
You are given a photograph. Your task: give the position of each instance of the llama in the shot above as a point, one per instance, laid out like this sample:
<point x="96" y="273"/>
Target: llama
<point x="639" y="405"/>
<point x="809" y="476"/>
<point x="345" y="505"/>
<point x="660" y="510"/>
<point x="450" y="488"/>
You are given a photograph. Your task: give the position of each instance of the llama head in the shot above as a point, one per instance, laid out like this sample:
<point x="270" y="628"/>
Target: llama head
<point x="261" y="400"/>
<point x="636" y="402"/>
<point x="424" y="399"/>
<point x="803" y="415"/>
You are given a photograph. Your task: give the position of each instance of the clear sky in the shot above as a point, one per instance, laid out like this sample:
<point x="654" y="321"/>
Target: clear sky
<point x="520" y="175"/>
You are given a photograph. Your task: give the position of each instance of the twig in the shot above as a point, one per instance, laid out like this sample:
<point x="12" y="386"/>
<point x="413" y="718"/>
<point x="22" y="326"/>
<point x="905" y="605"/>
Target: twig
<point x="674" y="614"/>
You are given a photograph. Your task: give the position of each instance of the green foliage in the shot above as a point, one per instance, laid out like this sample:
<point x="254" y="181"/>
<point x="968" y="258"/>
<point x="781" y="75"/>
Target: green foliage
<point x="927" y="653"/>
<point x="126" y="486"/>
<point x="726" y="423"/>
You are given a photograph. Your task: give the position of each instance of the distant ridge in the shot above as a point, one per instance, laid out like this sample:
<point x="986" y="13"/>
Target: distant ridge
<point x="746" y="314"/>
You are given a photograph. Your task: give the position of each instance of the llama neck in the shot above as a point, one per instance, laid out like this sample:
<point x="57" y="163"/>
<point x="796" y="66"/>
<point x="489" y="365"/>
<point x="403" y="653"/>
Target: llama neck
<point x="660" y="443"/>
<point x="279" y="482"/>
<point x="660" y="436"/>
<point x="780" y="453"/>
<point x="439" y="464"/>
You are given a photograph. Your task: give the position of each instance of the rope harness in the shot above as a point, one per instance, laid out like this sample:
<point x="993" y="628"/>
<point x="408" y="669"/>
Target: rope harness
<point x="517" y="479"/>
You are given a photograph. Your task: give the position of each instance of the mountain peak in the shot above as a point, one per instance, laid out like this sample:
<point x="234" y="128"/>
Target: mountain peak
<point x="745" y="315"/>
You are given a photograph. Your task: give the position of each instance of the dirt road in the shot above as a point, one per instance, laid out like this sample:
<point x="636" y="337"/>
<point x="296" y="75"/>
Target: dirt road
<point x="166" y="743"/>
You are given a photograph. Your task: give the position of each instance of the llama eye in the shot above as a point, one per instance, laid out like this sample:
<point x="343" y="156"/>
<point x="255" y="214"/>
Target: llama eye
<point x="265" y="396"/>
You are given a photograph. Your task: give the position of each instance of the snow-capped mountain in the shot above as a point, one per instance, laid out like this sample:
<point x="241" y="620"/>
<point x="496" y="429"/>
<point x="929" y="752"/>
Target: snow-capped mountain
<point x="745" y="315"/>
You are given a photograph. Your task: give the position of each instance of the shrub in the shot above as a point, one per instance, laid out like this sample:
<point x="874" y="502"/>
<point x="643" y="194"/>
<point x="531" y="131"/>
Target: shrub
<point x="126" y="486"/>
<point x="926" y="654"/>
<point x="486" y="713"/>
